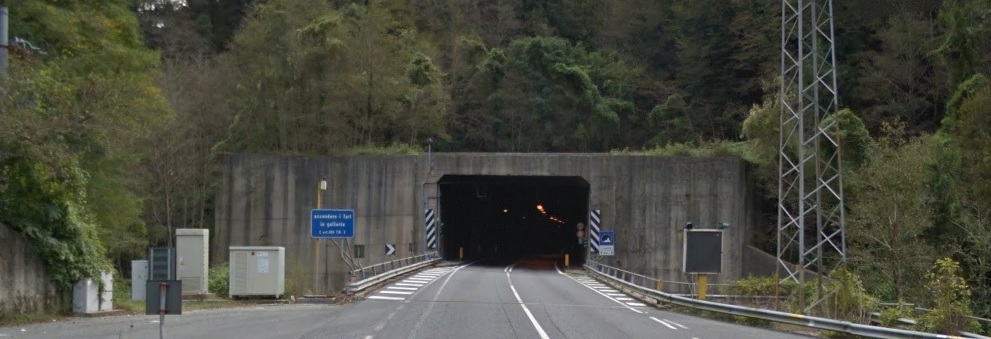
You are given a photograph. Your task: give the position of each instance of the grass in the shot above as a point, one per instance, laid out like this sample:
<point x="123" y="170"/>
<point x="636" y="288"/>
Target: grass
<point x="29" y="318"/>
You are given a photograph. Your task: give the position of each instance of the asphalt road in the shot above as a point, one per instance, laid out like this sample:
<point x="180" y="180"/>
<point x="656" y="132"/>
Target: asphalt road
<point x="526" y="299"/>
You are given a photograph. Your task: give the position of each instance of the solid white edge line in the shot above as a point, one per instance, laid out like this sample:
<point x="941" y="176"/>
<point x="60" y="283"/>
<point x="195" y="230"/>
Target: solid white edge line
<point x="540" y="330"/>
<point x="676" y="324"/>
<point x="663" y="323"/>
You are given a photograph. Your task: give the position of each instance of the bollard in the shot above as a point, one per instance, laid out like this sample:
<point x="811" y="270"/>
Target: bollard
<point x="660" y="284"/>
<point x="565" y="261"/>
<point x="703" y="285"/>
<point x="461" y="253"/>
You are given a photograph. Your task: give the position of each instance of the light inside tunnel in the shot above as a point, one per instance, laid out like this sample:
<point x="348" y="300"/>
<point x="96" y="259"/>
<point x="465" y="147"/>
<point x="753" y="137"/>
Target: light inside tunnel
<point x="517" y="216"/>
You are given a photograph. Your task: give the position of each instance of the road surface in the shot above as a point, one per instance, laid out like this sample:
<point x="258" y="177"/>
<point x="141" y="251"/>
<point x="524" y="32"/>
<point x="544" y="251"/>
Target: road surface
<point x="525" y="299"/>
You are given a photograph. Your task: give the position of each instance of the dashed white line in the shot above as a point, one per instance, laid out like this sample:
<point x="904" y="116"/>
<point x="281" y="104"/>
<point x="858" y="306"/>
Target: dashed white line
<point x="408" y="284"/>
<point x="384" y="298"/>
<point x="402" y="288"/>
<point x="637" y="304"/>
<point x="676" y="324"/>
<point x="397" y="292"/>
<point x="663" y="323"/>
<point x="608" y="297"/>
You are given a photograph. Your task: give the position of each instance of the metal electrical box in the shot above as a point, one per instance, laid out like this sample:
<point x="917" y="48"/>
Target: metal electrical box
<point x="257" y="271"/>
<point x="192" y="252"/>
<point x="161" y="264"/>
<point x="702" y="251"/>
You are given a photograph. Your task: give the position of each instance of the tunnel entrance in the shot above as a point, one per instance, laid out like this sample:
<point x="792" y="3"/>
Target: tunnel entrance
<point x="506" y="218"/>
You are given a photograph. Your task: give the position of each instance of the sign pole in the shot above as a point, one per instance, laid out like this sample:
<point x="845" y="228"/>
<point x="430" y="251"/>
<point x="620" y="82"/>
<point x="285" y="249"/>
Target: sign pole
<point x="163" y="291"/>
<point x="703" y="285"/>
<point x="316" y="252"/>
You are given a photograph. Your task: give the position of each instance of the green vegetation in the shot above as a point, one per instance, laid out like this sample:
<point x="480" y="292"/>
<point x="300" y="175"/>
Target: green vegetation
<point x="951" y="300"/>
<point x="111" y="133"/>
<point x="218" y="281"/>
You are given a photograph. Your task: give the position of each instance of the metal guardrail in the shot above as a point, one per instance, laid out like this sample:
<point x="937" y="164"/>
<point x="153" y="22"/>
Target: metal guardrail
<point x="630" y="280"/>
<point x="371" y="275"/>
<point x="650" y="282"/>
<point x="876" y="318"/>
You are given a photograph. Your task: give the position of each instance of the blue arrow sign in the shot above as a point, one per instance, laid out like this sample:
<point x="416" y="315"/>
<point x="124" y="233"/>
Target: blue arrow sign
<point x="334" y="224"/>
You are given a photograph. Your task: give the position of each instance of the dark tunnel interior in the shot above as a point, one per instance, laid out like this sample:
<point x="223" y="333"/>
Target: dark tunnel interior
<point x="504" y="218"/>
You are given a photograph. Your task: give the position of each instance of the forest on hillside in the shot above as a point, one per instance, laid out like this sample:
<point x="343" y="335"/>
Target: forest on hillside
<point x="114" y="114"/>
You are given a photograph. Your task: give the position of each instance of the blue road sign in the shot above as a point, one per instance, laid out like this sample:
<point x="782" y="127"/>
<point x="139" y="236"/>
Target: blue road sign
<point x="607" y="238"/>
<point x="607" y="242"/>
<point x="332" y="224"/>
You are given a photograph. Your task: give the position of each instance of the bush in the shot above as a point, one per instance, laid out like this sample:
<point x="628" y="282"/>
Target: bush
<point x="846" y="297"/>
<point x="219" y="280"/>
<point x="951" y="300"/>
<point x="758" y="287"/>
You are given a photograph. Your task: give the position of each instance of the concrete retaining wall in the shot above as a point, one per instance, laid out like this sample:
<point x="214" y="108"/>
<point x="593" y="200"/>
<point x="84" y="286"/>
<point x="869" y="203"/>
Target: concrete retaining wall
<point x="24" y="285"/>
<point x="265" y="200"/>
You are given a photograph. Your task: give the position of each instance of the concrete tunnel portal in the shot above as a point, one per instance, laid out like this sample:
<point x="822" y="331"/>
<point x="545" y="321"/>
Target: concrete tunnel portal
<point x="509" y="217"/>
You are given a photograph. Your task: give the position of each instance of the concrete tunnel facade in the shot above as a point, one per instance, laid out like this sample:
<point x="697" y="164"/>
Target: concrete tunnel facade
<point x="265" y="200"/>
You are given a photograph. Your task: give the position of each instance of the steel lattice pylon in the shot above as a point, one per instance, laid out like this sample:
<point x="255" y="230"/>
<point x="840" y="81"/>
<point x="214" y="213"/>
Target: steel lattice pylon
<point x="811" y="223"/>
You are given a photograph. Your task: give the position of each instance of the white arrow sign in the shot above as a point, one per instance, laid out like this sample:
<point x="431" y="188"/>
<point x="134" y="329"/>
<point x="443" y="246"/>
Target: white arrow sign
<point x="390" y="249"/>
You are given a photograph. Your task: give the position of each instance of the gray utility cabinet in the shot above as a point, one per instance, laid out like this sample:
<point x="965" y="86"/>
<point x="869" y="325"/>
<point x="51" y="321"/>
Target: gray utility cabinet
<point x="192" y="249"/>
<point x="257" y="271"/>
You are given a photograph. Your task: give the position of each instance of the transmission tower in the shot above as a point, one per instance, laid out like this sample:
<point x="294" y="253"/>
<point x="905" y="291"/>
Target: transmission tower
<point x="811" y="223"/>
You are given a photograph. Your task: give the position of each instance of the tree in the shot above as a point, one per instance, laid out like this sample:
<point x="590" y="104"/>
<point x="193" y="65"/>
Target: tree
<point x="899" y="80"/>
<point x="889" y="214"/>
<point x="545" y="94"/>
<point x="72" y="115"/>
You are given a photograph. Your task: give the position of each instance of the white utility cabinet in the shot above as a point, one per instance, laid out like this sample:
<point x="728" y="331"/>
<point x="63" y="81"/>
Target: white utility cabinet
<point x="192" y="253"/>
<point x="86" y="296"/>
<point x="258" y="271"/>
<point x="139" y="275"/>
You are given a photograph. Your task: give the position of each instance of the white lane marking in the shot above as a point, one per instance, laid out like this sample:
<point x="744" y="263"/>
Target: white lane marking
<point x="559" y="271"/>
<point x="608" y="297"/>
<point x="369" y="337"/>
<point x="676" y="324"/>
<point x="397" y="292"/>
<point x="616" y="294"/>
<point x="663" y="323"/>
<point x="385" y="298"/>
<point x="403" y="288"/>
<point x="624" y="298"/>
<point x="423" y="316"/>
<point x="417" y="280"/>
<point x="540" y="330"/>
<point x="636" y="304"/>
<point x="408" y="284"/>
